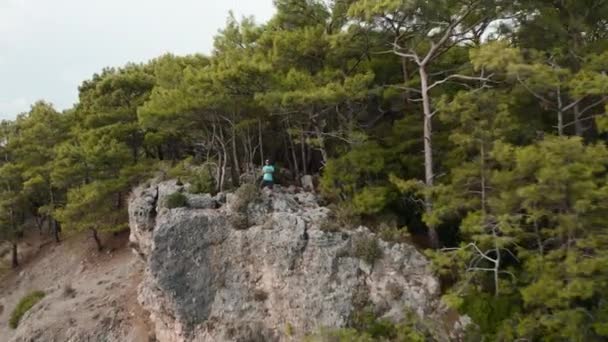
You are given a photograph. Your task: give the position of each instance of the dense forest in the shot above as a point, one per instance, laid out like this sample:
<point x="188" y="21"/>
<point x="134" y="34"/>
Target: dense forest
<point x="479" y="125"/>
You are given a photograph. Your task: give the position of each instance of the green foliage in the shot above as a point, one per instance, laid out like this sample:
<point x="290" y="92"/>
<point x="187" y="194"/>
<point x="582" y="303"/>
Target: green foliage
<point x="333" y="88"/>
<point x="289" y="329"/>
<point x="243" y="197"/>
<point x="199" y="177"/>
<point x="367" y="249"/>
<point x="23" y="307"/>
<point x="490" y="312"/>
<point x="176" y="200"/>
<point x="370" y="328"/>
<point x="341" y="217"/>
<point x="371" y="200"/>
<point x="394" y="234"/>
<point x="202" y="182"/>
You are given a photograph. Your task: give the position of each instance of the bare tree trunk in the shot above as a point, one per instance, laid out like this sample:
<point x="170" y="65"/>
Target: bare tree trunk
<point x="224" y="157"/>
<point x="321" y="144"/>
<point x="97" y="240"/>
<point x="293" y="156"/>
<point x="578" y="125"/>
<point x="15" y="258"/>
<point x="560" y="113"/>
<point x="406" y="78"/>
<point x="221" y="171"/>
<point x="159" y="152"/>
<point x="235" y="169"/>
<point x="56" y="230"/>
<point x="303" y="151"/>
<point x="261" y="140"/>
<point x="245" y="141"/>
<point x="39" y="220"/>
<point x="428" y="149"/>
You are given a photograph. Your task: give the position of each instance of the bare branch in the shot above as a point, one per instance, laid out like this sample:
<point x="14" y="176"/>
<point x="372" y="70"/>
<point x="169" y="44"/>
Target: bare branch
<point x="411" y="55"/>
<point x="593" y="105"/>
<point x="538" y="96"/>
<point x="591" y="117"/>
<point x="461" y="77"/>
<point x="448" y="33"/>
<point x="571" y="105"/>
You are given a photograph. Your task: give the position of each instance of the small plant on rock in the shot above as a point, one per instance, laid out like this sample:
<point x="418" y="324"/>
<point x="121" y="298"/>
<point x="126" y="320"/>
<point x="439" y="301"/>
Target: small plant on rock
<point x="23" y="306"/>
<point x="244" y="195"/>
<point x="176" y="200"/>
<point x="367" y="249"/>
<point x="289" y="329"/>
<point x="202" y="181"/>
<point x="394" y="234"/>
<point x="341" y="217"/>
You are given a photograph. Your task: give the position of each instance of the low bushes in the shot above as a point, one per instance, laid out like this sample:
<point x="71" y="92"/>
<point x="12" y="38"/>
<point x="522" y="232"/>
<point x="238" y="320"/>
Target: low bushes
<point x="176" y="200"/>
<point x="23" y="306"/>
<point x="367" y="249"/>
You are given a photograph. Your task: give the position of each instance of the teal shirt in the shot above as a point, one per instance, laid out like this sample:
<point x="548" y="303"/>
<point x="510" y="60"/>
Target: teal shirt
<point x="268" y="170"/>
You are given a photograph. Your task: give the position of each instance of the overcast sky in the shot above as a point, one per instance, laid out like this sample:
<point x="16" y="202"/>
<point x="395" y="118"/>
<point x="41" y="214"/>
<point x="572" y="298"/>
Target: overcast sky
<point x="48" y="47"/>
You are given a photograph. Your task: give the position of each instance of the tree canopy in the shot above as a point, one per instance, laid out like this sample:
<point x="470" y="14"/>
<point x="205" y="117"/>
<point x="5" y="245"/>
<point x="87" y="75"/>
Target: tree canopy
<point x="477" y="126"/>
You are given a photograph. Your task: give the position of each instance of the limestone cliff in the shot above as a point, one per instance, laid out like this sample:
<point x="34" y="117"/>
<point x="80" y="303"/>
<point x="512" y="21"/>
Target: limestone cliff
<point x="228" y="268"/>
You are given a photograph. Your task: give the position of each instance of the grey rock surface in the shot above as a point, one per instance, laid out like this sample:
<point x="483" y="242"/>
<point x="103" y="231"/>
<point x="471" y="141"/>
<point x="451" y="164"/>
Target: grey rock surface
<point x="206" y="280"/>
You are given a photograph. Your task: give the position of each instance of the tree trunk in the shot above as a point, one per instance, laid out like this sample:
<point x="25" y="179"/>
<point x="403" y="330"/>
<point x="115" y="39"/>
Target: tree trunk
<point x="303" y="151"/>
<point x="428" y="149"/>
<point x="578" y="125"/>
<point x="56" y="230"/>
<point x="39" y="220"/>
<point x="15" y="259"/>
<point x="321" y="145"/>
<point x="296" y="168"/>
<point x="406" y="78"/>
<point x="159" y="152"/>
<point x="261" y="140"/>
<point x="235" y="167"/>
<point x="97" y="240"/>
<point x="560" y="113"/>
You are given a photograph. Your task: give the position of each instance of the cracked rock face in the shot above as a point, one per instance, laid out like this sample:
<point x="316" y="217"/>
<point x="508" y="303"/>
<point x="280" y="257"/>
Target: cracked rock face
<point x="276" y="279"/>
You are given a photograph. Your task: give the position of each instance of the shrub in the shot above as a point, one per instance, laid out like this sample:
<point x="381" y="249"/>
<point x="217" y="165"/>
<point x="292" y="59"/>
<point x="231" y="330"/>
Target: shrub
<point x="372" y="199"/>
<point x="176" y="200"/>
<point x="200" y="177"/>
<point x="23" y="306"/>
<point x="245" y="194"/>
<point x="489" y="311"/>
<point x="201" y="180"/>
<point x="374" y="329"/>
<point x="341" y="217"/>
<point x="367" y="249"/>
<point x="394" y="234"/>
<point x="289" y="329"/>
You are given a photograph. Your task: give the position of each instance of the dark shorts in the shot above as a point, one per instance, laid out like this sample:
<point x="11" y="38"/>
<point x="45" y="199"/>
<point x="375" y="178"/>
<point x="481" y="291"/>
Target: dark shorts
<point x="267" y="183"/>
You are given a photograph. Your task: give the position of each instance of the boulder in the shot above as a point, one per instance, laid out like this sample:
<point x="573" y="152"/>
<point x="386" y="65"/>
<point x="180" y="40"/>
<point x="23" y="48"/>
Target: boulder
<point x="208" y="280"/>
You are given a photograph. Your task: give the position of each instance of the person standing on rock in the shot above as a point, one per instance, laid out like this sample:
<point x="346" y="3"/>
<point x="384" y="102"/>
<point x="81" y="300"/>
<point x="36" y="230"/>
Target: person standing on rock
<point x="268" y="178"/>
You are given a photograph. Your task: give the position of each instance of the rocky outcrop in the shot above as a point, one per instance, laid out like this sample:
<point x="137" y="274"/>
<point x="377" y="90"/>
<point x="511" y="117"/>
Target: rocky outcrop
<point x="238" y="267"/>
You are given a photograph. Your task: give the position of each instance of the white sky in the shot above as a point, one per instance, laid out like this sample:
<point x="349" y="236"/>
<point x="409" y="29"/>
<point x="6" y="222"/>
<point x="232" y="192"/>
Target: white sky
<point x="48" y="47"/>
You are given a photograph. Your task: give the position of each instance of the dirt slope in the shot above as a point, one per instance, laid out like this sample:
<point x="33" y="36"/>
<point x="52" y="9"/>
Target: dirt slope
<point x="90" y="296"/>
